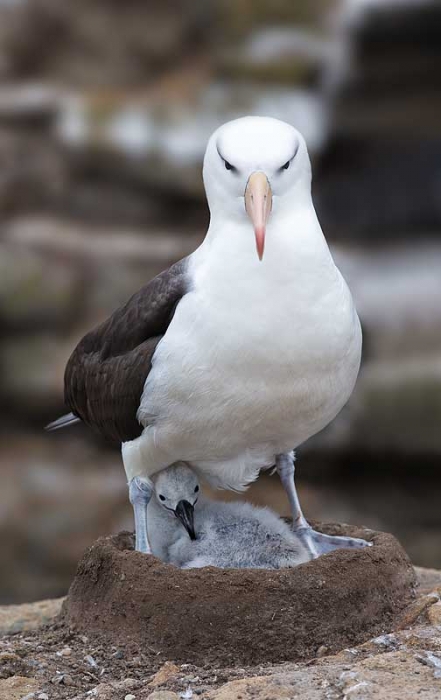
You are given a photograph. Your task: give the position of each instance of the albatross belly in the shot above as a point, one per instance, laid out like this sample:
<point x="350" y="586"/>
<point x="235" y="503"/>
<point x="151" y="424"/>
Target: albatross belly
<point x="258" y="357"/>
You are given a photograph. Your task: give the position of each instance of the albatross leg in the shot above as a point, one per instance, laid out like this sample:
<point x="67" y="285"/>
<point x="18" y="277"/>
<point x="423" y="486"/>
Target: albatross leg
<point x="140" y="493"/>
<point x="316" y="542"/>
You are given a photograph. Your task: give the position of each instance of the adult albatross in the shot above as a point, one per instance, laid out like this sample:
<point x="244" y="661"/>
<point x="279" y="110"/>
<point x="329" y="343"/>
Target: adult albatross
<point x="238" y="353"/>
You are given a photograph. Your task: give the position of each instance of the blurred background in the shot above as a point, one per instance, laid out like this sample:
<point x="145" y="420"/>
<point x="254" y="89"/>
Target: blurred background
<point x="105" y="109"/>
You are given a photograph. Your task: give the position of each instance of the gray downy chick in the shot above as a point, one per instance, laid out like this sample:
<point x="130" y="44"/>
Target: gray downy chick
<point x="191" y="531"/>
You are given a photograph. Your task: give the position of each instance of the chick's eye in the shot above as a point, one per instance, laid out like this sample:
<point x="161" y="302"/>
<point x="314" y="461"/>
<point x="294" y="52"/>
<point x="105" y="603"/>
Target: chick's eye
<point x="228" y="165"/>
<point x="161" y="497"/>
<point x="196" y="489"/>
<point x="286" y="166"/>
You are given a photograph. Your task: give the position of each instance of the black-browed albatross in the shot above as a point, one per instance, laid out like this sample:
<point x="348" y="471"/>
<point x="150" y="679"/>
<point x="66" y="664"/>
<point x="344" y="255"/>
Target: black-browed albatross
<point x="233" y="356"/>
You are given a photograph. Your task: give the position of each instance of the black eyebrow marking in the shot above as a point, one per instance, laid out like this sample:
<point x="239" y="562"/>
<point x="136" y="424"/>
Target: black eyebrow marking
<point x="232" y="167"/>
<point x="292" y="157"/>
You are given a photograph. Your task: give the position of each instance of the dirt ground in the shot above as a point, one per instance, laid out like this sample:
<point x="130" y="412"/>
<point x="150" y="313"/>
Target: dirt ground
<point x="58" y="661"/>
<point x="66" y="664"/>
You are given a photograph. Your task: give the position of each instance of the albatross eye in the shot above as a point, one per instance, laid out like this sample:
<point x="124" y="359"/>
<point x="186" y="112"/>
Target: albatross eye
<point x="286" y="166"/>
<point x="196" y="489"/>
<point x="228" y="165"/>
<point x="161" y="497"/>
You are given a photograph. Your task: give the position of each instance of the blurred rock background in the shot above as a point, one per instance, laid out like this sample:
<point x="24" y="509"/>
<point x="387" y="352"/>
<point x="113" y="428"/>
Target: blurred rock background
<point x="105" y="109"/>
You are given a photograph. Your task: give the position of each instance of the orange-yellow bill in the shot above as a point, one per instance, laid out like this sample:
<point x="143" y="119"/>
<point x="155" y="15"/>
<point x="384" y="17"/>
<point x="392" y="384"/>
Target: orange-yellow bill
<point x="258" y="203"/>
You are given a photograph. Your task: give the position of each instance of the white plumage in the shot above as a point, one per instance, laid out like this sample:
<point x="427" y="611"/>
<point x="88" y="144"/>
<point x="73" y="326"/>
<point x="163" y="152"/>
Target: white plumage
<point x="237" y="354"/>
<point x="260" y="355"/>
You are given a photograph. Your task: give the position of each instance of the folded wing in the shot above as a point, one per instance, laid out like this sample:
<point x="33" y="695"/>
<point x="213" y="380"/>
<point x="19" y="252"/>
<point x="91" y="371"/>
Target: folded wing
<point x="106" y="373"/>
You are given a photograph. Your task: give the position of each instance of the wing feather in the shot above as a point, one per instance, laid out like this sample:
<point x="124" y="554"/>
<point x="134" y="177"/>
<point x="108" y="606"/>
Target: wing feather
<point x="106" y="373"/>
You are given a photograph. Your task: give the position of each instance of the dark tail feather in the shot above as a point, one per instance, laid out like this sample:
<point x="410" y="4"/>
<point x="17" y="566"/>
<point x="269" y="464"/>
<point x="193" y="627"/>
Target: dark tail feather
<point x="63" y="422"/>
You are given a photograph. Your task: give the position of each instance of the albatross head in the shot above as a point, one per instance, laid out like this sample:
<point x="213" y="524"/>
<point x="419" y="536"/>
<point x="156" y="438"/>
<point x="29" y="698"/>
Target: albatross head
<point x="177" y="491"/>
<point x="256" y="168"/>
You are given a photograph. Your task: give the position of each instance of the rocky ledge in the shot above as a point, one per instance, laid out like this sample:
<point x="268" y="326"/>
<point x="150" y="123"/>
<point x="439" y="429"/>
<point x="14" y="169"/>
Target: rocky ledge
<point x="54" y="661"/>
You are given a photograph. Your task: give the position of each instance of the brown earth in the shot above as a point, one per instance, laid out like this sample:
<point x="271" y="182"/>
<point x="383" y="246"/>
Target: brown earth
<point x="58" y="662"/>
<point x="232" y="617"/>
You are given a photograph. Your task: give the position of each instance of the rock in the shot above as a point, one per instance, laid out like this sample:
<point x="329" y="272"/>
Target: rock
<point x="167" y="671"/>
<point x="97" y="269"/>
<point x="28" y="105"/>
<point x="384" y="139"/>
<point x="400" y="380"/>
<point x="12" y="665"/>
<point x="91" y="661"/>
<point x="33" y="172"/>
<point x="400" y="665"/>
<point x="258" y="688"/>
<point x="390" y="397"/>
<point x="98" y="44"/>
<point x="34" y="367"/>
<point x="50" y="238"/>
<point x="411" y="614"/>
<point x="37" y="291"/>
<point x="428" y="579"/>
<point x="57" y="484"/>
<point x="17" y="688"/>
<point x="287" y="55"/>
<point x="109" y="691"/>
<point x="29" y="616"/>
<point x="241" y="18"/>
<point x="235" y="617"/>
<point x="434" y="614"/>
<point x="8" y="656"/>
<point x="391" y="676"/>
<point x="147" y="147"/>
<point x="322" y="651"/>
<point x="66" y="651"/>
<point x="68" y="680"/>
<point x="408" y="326"/>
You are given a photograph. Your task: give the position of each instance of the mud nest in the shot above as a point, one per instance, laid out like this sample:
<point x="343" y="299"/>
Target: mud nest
<point x="234" y="617"/>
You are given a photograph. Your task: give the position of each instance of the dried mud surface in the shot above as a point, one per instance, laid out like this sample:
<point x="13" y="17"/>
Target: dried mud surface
<point x="231" y="617"/>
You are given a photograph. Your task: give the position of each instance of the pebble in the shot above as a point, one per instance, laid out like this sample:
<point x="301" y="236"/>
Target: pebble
<point x="130" y="697"/>
<point x="62" y="679"/>
<point x="322" y="651"/>
<point x="68" y="680"/>
<point x="91" y="661"/>
<point x="434" y="614"/>
<point x="9" y="656"/>
<point x="67" y="651"/>
<point x="42" y="696"/>
<point x="167" y="671"/>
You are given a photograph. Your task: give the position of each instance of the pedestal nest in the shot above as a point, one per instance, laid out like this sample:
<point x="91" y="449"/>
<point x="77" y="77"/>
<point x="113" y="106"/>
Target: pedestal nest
<point x="241" y="616"/>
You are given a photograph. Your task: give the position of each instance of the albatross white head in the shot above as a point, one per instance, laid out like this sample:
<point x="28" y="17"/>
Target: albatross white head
<point x="256" y="168"/>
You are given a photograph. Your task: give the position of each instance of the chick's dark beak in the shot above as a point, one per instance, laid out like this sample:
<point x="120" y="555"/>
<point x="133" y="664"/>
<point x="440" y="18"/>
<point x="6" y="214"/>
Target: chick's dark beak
<point x="185" y="512"/>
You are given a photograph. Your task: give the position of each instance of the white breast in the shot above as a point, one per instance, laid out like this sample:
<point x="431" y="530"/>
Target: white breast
<point x="258" y="357"/>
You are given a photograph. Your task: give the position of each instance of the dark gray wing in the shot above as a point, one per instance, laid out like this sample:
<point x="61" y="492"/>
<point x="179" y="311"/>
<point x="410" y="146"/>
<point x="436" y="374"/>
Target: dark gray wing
<point x="105" y="375"/>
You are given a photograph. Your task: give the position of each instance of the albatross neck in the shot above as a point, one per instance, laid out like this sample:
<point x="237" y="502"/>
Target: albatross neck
<point x="294" y="243"/>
